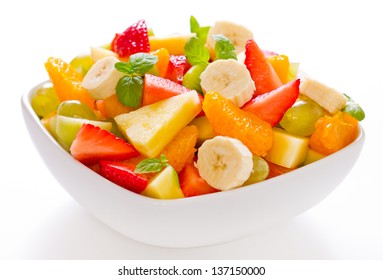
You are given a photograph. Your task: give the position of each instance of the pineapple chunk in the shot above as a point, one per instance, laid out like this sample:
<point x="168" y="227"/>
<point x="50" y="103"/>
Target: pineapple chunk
<point x="150" y="128"/>
<point x="173" y="43"/>
<point x="165" y="185"/>
<point x="312" y="156"/>
<point x="205" y="130"/>
<point x="288" y="150"/>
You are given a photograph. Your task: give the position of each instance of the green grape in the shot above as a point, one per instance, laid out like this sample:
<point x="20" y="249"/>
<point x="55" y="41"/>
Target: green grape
<point x="44" y="100"/>
<point x="82" y="63"/>
<point x="76" y="109"/>
<point x="192" y="79"/>
<point x="301" y="117"/>
<point x="260" y="171"/>
<point x="354" y="110"/>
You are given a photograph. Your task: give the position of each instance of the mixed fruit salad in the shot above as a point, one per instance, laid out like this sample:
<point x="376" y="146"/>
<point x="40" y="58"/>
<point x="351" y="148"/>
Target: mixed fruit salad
<point x="191" y="114"/>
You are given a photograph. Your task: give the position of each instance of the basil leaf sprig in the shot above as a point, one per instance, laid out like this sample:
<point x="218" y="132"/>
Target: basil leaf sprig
<point x="224" y="48"/>
<point x="129" y="87"/>
<point x="200" y="31"/>
<point x="152" y="165"/>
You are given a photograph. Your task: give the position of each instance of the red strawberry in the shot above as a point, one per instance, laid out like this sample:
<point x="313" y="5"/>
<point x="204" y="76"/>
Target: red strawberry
<point x="133" y="40"/>
<point x="263" y="74"/>
<point x="93" y="144"/>
<point x="271" y="106"/>
<point x="122" y="174"/>
<point x="177" y="68"/>
<point x="191" y="182"/>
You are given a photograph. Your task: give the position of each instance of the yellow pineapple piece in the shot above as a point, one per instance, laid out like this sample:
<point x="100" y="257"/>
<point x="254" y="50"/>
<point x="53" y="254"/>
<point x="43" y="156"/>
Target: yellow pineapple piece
<point x="150" y="128"/>
<point x="288" y="150"/>
<point x="173" y="43"/>
<point x="312" y="156"/>
<point x="205" y="130"/>
<point x="165" y="185"/>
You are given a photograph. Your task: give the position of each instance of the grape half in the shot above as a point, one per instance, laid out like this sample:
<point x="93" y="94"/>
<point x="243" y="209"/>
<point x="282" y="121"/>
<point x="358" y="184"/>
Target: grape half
<point x="76" y="109"/>
<point x="192" y="78"/>
<point x="44" y="100"/>
<point x="260" y="171"/>
<point x="301" y="117"/>
<point x="82" y="63"/>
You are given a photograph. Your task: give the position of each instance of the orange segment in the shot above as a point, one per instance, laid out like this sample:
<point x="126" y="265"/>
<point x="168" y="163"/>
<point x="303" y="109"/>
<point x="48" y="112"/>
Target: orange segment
<point x="67" y="81"/>
<point x="163" y="60"/>
<point x="182" y="148"/>
<point x="281" y="65"/>
<point x="229" y="120"/>
<point x="113" y="107"/>
<point x="333" y="133"/>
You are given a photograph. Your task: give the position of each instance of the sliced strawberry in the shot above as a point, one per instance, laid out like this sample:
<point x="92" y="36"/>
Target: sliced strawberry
<point x="93" y="144"/>
<point x="272" y="106"/>
<point x="261" y="71"/>
<point x="157" y="88"/>
<point x="191" y="182"/>
<point x="122" y="174"/>
<point x="177" y="68"/>
<point x="133" y="40"/>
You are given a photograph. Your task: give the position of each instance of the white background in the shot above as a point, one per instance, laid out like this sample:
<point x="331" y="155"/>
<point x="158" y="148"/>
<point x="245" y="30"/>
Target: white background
<point x="339" y="43"/>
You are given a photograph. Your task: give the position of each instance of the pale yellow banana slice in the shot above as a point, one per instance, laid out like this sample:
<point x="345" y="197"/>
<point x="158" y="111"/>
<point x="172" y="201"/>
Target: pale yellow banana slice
<point x="97" y="53"/>
<point x="327" y="97"/>
<point x="236" y="33"/>
<point x="102" y="78"/>
<point x="229" y="78"/>
<point x="224" y="163"/>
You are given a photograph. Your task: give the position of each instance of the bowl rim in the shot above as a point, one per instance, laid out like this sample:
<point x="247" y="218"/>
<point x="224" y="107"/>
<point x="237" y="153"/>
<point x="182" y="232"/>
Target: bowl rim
<point x="26" y="102"/>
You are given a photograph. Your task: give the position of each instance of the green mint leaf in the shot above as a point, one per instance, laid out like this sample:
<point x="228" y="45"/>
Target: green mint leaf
<point x="124" y="67"/>
<point x="142" y="62"/>
<point x="196" y="52"/>
<point x="164" y="160"/>
<point x="129" y="91"/>
<point x="151" y="165"/>
<point x="194" y="25"/>
<point x="224" y="48"/>
<point x="200" y="31"/>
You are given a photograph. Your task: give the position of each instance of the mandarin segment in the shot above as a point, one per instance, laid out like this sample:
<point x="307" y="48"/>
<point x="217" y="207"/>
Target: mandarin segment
<point x="67" y="81"/>
<point x="163" y="60"/>
<point x="333" y="133"/>
<point x="113" y="107"/>
<point x="229" y="120"/>
<point x="181" y="149"/>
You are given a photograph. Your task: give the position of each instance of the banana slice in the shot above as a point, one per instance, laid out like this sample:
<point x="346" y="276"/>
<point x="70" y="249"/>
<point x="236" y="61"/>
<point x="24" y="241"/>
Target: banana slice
<point x="229" y="78"/>
<point x="97" y="53"/>
<point x="327" y="97"/>
<point x="102" y="78"/>
<point x="224" y="163"/>
<point x="237" y="34"/>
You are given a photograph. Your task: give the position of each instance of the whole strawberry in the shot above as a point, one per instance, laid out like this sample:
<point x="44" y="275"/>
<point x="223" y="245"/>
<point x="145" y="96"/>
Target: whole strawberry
<point x="133" y="40"/>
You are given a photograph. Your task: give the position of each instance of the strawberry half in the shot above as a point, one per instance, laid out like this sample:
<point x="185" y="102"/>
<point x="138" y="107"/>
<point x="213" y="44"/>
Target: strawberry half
<point x="191" y="182"/>
<point x="122" y="174"/>
<point x="261" y="71"/>
<point x="271" y="106"/>
<point x="177" y="67"/>
<point x="93" y="144"/>
<point x="133" y="40"/>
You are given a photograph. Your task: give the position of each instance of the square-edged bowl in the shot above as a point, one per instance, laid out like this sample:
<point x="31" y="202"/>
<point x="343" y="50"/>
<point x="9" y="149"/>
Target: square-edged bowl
<point x="196" y="221"/>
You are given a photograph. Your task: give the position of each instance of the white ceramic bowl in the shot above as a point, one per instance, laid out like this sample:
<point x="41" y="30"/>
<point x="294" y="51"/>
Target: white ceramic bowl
<point x="196" y="221"/>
